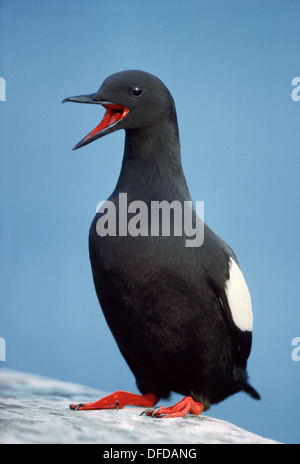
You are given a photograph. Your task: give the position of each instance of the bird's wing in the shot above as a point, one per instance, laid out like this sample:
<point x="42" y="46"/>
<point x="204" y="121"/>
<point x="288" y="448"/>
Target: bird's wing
<point x="235" y="304"/>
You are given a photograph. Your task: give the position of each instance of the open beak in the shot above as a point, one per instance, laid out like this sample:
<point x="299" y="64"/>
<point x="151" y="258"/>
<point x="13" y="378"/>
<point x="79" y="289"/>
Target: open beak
<point x="114" y="114"/>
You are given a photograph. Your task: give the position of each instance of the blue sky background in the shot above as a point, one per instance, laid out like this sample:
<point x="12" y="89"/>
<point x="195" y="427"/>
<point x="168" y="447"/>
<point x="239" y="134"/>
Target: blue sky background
<point x="229" y="66"/>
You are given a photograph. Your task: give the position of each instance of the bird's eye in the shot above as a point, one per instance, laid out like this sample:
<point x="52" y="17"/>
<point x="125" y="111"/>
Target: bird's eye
<point x="136" y="91"/>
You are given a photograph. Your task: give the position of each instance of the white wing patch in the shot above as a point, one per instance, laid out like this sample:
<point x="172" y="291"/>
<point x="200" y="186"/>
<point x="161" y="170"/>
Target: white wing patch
<point x="239" y="298"/>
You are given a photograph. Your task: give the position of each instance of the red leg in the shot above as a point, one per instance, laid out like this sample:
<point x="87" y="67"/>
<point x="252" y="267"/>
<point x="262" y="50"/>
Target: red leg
<point x="118" y="400"/>
<point x="187" y="404"/>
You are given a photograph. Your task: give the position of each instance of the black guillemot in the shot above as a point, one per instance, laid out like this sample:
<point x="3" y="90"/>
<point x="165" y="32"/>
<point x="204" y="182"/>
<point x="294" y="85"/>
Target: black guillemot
<point x="181" y="316"/>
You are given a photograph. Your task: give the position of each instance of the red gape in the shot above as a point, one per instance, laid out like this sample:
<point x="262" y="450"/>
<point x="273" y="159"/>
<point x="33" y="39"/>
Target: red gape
<point x="113" y="113"/>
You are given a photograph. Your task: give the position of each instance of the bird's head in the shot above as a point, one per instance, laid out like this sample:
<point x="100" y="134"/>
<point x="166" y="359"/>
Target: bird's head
<point x="132" y="99"/>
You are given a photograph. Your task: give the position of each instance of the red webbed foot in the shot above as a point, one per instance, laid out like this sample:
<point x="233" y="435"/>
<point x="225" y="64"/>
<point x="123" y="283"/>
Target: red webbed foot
<point x="186" y="405"/>
<point x="118" y="400"/>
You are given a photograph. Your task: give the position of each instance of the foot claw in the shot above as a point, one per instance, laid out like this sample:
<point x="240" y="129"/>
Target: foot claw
<point x="146" y="411"/>
<point x="80" y="405"/>
<point x="154" y="410"/>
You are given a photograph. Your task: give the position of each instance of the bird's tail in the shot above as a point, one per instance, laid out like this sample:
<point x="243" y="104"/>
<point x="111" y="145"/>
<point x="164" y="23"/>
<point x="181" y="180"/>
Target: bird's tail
<point x="241" y="376"/>
<point x="251" y="391"/>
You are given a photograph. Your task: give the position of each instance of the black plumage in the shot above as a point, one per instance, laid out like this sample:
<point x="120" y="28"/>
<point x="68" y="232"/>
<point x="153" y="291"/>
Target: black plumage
<point x="166" y="304"/>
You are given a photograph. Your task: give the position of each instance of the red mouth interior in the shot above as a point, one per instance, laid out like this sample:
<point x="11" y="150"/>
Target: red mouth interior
<point x="113" y="114"/>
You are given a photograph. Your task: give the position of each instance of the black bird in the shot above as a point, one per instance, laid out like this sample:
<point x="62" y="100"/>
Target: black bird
<point x="180" y="313"/>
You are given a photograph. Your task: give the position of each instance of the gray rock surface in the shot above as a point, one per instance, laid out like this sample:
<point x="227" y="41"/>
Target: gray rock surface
<point x="35" y="410"/>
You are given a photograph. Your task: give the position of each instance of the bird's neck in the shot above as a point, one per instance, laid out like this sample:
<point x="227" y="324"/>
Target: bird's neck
<point x="159" y="142"/>
<point x="152" y="162"/>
